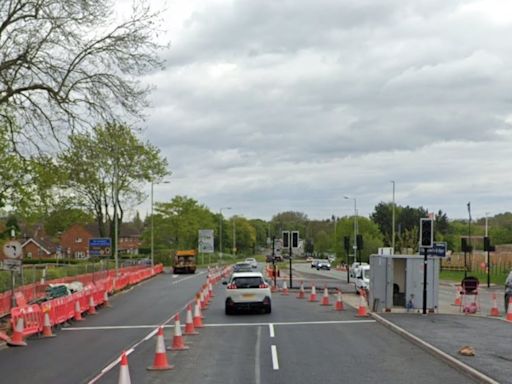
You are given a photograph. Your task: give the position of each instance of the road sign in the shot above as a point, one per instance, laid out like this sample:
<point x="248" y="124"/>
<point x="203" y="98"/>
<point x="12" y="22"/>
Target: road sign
<point x="11" y="265"/>
<point x="205" y="241"/>
<point x="100" y="246"/>
<point x="12" y="249"/>
<point x="437" y="250"/>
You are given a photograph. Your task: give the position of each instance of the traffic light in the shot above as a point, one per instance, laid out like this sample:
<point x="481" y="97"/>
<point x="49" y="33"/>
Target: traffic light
<point x="286" y="239"/>
<point x="426" y="233"/>
<point x="487" y="243"/>
<point x="346" y="243"/>
<point x="295" y="239"/>
<point x="359" y="242"/>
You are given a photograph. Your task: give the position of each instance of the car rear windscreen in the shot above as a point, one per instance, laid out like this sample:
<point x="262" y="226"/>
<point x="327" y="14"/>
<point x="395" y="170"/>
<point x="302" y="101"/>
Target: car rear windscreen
<point x="248" y="282"/>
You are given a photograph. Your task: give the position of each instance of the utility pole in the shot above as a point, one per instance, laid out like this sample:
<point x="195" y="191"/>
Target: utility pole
<point x="393" y="220"/>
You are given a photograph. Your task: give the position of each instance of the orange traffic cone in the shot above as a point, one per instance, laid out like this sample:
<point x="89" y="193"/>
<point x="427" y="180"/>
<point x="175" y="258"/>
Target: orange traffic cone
<point x="160" y="362"/>
<point x="17" y="336"/>
<point x="78" y="311"/>
<point x="494" y="310"/>
<point x="178" y="343"/>
<point x="198" y="321"/>
<point x="47" y="326"/>
<point x="285" y="289"/>
<point x="301" y="294"/>
<point x="189" y="324"/>
<point x="325" y="297"/>
<point x="201" y="300"/>
<point x="509" y="311"/>
<point x="458" y="298"/>
<point x="210" y="288"/>
<point x="362" y="310"/>
<point x="105" y="300"/>
<point x="339" y="302"/>
<point x="124" y="372"/>
<point x="312" y="296"/>
<point x="92" y="306"/>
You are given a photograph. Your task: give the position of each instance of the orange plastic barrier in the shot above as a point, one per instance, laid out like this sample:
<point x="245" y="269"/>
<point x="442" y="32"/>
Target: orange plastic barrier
<point x="32" y="319"/>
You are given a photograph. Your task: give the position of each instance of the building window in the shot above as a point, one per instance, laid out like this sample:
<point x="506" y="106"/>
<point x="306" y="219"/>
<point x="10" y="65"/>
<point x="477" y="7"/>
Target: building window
<point x="78" y="240"/>
<point x="29" y="255"/>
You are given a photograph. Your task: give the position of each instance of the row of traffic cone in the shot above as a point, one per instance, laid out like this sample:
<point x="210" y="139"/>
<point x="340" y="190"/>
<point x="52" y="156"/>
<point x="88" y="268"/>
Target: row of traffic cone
<point x="160" y="361"/>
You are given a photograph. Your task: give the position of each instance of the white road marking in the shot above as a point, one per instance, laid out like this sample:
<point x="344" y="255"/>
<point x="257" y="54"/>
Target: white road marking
<point x="275" y="361"/>
<point x="187" y="278"/>
<point x="270" y="325"/>
<point x="257" y="377"/>
<point x="132" y="348"/>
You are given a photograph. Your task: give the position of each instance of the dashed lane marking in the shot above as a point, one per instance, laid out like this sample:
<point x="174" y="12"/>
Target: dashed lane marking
<point x="271" y="329"/>
<point x="275" y="360"/>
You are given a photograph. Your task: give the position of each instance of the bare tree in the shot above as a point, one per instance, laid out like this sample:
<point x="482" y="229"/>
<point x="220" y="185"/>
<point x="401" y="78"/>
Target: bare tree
<point x="71" y="64"/>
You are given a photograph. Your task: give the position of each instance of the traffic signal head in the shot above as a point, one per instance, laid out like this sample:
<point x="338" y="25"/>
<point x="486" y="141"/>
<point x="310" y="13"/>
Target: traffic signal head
<point x="286" y="239"/>
<point x="346" y="243"/>
<point x="359" y="242"/>
<point x="426" y="233"/>
<point x="295" y="239"/>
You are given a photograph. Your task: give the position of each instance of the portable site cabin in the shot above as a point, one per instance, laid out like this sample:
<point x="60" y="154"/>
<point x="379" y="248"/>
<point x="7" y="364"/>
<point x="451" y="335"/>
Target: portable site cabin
<point x="397" y="281"/>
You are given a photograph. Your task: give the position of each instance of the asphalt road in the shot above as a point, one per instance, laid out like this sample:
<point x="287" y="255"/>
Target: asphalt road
<point x="299" y="342"/>
<point x="75" y="356"/>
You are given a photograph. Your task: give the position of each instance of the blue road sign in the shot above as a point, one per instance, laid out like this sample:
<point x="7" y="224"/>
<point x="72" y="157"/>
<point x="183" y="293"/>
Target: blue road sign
<point x="101" y="246"/>
<point x="438" y="250"/>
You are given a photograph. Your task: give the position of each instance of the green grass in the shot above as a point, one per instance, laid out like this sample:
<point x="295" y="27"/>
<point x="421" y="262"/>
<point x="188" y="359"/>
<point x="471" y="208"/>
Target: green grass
<point x="498" y="278"/>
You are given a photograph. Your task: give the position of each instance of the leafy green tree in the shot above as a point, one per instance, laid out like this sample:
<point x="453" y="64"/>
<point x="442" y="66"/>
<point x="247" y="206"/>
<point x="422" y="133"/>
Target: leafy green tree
<point x="323" y="242"/>
<point x="67" y="64"/>
<point x="383" y="217"/>
<point x="245" y="235"/>
<point x="372" y="237"/>
<point x="63" y="216"/>
<point x="177" y="223"/>
<point x="108" y="167"/>
<point x="289" y="221"/>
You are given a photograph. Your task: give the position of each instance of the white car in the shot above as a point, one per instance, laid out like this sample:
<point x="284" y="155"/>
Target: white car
<point x="247" y="290"/>
<point x="252" y="261"/>
<point x="362" y="278"/>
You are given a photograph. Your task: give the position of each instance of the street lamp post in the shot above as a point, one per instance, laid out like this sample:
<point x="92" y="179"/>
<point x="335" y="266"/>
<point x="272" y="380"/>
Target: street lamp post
<point x="220" y="231"/>
<point x="393" y="221"/>
<point x="152" y="223"/>
<point x="355" y="225"/>
<point x="234" y="236"/>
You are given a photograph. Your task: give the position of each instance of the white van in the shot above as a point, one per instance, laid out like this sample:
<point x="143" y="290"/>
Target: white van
<point x="362" y="277"/>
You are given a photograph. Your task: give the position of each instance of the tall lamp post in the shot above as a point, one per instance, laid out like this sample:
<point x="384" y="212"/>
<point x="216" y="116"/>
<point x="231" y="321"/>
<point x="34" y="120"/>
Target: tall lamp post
<point x="220" y="230"/>
<point x="393" y="221"/>
<point x="234" y="236"/>
<point x="152" y="223"/>
<point x="355" y="225"/>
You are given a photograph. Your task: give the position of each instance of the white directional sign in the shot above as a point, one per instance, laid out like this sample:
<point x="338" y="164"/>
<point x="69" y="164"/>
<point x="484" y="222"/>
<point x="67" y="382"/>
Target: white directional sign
<point x="12" y="249"/>
<point x="205" y="241"/>
<point x="10" y="265"/>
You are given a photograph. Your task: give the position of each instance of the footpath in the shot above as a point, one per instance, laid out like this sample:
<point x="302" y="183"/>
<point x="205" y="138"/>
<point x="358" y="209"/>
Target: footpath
<point x="446" y="332"/>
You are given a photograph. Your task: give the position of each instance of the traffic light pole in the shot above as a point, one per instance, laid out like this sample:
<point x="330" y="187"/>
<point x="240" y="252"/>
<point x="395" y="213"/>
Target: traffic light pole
<point x="274" y="260"/>
<point x="425" y="252"/>
<point x="290" y="256"/>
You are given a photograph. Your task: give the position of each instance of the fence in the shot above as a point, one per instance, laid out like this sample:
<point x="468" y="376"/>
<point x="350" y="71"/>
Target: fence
<point x="105" y="281"/>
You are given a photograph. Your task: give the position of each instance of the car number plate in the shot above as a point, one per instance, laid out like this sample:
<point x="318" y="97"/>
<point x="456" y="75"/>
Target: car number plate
<point x="248" y="296"/>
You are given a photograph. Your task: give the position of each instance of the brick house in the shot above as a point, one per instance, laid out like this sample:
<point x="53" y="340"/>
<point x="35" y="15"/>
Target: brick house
<point x="38" y="245"/>
<point x="75" y="240"/>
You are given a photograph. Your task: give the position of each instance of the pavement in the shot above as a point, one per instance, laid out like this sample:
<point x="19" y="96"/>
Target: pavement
<point x="444" y="333"/>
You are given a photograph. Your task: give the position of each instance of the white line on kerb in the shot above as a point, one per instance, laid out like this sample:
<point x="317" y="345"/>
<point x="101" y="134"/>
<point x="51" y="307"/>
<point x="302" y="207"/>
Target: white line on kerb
<point x="275" y="361"/>
<point x="271" y="329"/>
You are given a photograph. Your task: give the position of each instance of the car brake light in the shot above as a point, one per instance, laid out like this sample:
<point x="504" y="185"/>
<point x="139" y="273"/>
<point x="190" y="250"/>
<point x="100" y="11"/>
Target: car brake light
<point x="231" y="286"/>
<point x="263" y="285"/>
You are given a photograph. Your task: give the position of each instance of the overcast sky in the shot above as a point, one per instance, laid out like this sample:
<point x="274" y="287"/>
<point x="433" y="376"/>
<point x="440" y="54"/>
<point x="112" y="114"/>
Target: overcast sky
<point x="269" y="106"/>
